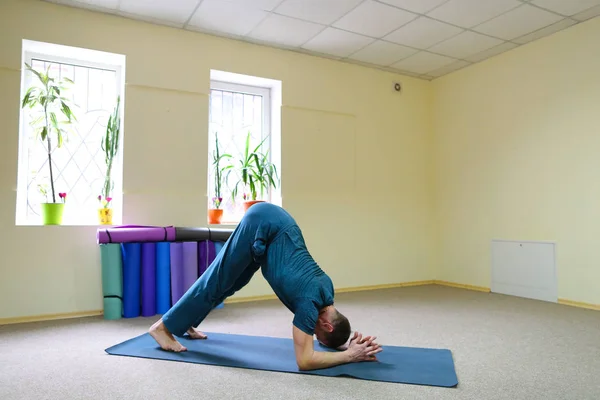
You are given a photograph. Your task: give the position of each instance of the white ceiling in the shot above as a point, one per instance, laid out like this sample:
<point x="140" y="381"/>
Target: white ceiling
<point x="421" y="38"/>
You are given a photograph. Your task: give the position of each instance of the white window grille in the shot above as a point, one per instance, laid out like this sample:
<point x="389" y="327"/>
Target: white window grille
<point x="235" y="110"/>
<point x="78" y="166"/>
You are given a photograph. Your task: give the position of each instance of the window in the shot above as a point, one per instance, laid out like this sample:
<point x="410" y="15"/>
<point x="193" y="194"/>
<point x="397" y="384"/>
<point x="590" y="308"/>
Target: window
<point x="242" y="106"/>
<point x="79" y="166"/>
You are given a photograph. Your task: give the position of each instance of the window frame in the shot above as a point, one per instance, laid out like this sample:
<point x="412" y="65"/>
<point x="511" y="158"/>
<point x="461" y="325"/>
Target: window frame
<point x="266" y="95"/>
<point x="21" y="218"/>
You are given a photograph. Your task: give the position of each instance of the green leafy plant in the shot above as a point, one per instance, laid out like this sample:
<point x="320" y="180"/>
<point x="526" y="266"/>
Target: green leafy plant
<point x="218" y="173"/>
<point x="46" y="97"/>
<point x="110" y="146"/>
<point x="257" y="172"/>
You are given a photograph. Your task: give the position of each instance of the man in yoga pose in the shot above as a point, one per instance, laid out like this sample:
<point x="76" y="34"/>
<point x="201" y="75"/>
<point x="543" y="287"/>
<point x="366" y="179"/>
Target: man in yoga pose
<point x="269" y="238"/>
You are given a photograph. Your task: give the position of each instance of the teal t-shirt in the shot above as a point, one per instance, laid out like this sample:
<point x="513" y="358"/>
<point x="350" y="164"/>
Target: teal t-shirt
<point x="297" y="280"/>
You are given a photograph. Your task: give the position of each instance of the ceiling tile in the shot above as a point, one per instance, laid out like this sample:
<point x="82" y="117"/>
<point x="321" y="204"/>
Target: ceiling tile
<point x="468" y="13"/>
<point x="286" y="31"/>
<point x="267" y="5"/>
<point x="337" y="42"/>
<point x="374" y="19"/>
<point x="224" y="16"/>
<point x="494" y="51"/>
<point x="465" y="44"/>
<point x="566" y="7"/>
<point x="549" y="30"/>
<point x="587" y="14"/>
<point x="175" y="11"/>
<point x="455" y="66"/>
<point x="423" y="62"/>
<point x="418" y="6"/>
<point x="110" y="4"/>
<point x="407" y="73"/>
<point x="423" y="33"/>
<point x="382" y="53"/>
<point x="518" y="22"/>
<point x="320" y="11"/>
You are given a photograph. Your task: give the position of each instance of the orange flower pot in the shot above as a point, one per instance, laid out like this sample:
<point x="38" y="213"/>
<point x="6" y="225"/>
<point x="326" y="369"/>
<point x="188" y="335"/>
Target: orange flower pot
<point x="250" y="203"/>
<point x="215" y="215"/>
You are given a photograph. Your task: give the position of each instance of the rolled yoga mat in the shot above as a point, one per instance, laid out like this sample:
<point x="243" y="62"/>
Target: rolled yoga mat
<point x="216" y="248"/>
<point x="132" y="268"/>
<point x="148" y="279"/>
<point x="112" y="280"/>
<point x="134" y="233"/>
<point x="190" y="264"/>
<point x="410" y="365"/>
<point x="206" y="255"/>
<point x="199" y="234"/>
<point x="163" y="277"/>
<point x="176" y="253"/>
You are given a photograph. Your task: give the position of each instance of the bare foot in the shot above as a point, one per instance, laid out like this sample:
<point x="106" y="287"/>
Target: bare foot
<point x="164" y="338"/>
<point x="196" y="334"/>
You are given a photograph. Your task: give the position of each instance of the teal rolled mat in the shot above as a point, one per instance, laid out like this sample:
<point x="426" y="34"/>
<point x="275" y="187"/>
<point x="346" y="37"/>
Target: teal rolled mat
<point x="112" y="280"/>
<point x="113" y="308"/>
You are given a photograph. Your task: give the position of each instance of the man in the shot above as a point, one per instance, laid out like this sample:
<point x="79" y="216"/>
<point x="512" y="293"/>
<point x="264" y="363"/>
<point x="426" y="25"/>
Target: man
<point x="269" y="238"/>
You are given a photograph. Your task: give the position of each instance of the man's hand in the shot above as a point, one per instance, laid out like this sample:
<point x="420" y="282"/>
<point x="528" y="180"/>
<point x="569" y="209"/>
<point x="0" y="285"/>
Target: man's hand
<point x="359" y="349"/>
<point x="362" y="348"/>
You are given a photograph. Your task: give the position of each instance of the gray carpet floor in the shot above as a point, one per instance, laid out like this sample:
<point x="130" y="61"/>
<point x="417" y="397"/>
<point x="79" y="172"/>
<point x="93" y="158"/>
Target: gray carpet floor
<point x="503" y="347"/>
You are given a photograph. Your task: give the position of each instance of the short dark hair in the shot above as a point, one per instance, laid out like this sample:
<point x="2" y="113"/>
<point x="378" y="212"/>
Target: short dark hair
<point x="341" y="331"/>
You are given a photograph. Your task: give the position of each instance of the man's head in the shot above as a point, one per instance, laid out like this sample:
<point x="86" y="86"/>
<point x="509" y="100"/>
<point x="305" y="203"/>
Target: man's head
<point x="333" y="328"/>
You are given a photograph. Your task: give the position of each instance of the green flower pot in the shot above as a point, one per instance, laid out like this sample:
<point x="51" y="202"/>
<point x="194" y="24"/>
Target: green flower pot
<point x="52" y="213"/>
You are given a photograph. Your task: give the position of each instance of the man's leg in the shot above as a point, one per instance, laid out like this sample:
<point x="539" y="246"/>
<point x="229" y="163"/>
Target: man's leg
<point x="232" y="269"/>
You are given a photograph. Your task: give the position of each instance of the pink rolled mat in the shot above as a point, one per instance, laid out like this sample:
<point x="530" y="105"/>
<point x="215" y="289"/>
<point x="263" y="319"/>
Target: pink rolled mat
<point x="135" y="233"/>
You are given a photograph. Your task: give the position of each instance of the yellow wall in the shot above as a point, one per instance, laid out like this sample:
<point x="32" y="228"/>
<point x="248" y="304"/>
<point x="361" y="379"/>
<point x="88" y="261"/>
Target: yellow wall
<point x="373" y="225"/>
<point x="517" y="151"/>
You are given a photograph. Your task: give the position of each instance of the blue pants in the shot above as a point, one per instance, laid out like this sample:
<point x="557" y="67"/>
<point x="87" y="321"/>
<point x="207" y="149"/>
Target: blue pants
<point x="231" y="270"/>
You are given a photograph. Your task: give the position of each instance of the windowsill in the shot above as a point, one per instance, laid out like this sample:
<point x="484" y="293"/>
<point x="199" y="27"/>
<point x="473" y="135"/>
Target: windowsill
<point x="224" y="225"/>
<point x="67" y="225"/>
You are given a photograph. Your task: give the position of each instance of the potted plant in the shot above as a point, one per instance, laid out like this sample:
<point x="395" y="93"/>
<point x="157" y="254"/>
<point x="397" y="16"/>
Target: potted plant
<point x="110" y="147"/>
<point x="47" y="97"/>
<point x="257" y="174"/>
<point x="215" y="214"/>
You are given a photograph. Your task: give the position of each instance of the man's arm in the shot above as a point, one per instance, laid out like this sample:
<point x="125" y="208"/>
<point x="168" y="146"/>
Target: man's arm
<point x="308" y="359"/>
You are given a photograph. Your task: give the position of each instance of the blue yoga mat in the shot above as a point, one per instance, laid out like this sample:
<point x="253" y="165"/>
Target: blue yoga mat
<point x="148" y="279"/>
<point x="218" y="246"/>
<point x="132" y="277"/>
<point x="410" y="365"/>
<point x="163" y="277"/>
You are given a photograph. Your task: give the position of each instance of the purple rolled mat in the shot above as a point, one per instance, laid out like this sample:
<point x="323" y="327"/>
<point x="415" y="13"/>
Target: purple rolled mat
<point x="148" y="279"/>
<point x="206" y="255"/>
<point x="202" y="254"/>
<point x="176" y="253"/>
<point x="134" y="233"/>
<point x="190" y="264"/>
<point x="212" y="252"/>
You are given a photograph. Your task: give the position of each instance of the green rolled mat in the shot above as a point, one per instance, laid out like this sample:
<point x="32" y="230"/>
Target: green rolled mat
<point x="113" y="308"/>
<point x="112" y="279"/>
